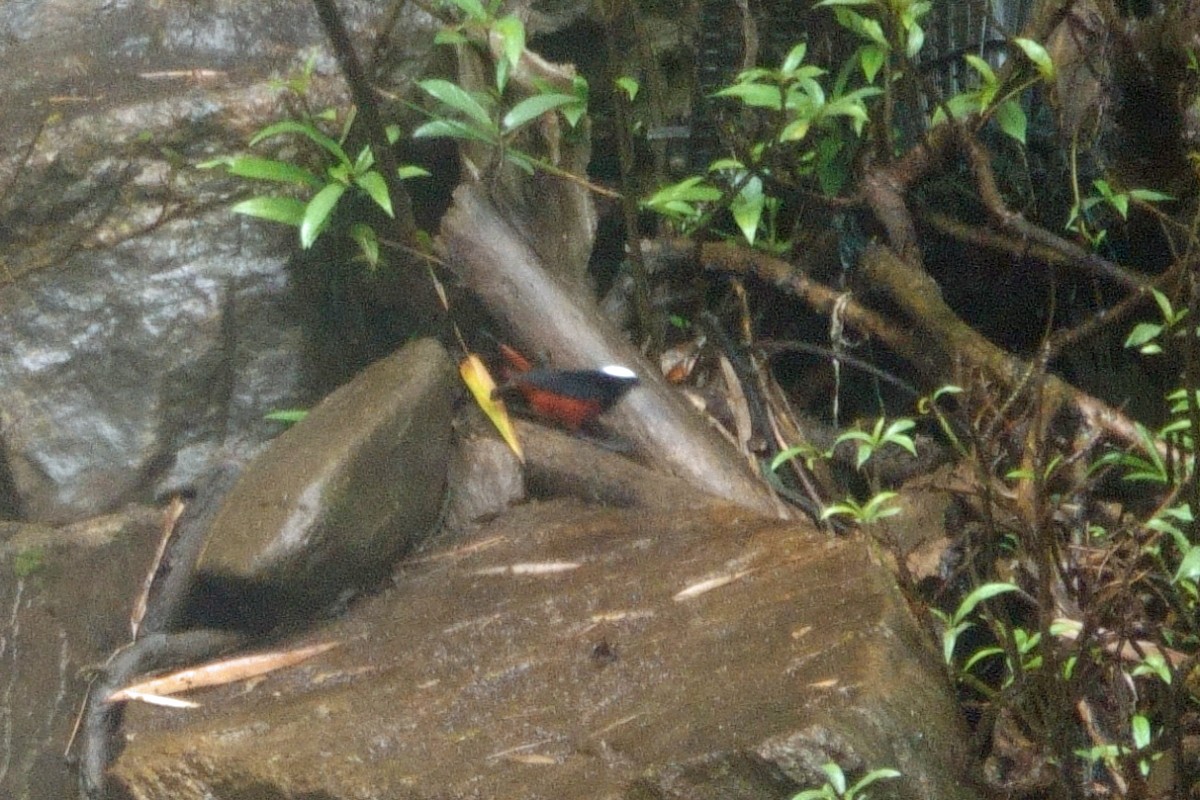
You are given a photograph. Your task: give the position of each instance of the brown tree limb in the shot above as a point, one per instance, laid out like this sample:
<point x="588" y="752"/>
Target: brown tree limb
<point x="939" y="344"/>
<point x="734" y="260"/>
<point x="955" y="346"/>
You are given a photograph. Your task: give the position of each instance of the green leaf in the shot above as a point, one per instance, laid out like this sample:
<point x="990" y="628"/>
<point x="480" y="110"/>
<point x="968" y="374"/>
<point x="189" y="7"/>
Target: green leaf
<point x="374" y="185"/>
<point x="1142" y="333"/>
<point x="986" y="74"/>
<point x="472" y="8"/>
<point x="1140" y="728"/>
<point x="1189" y="567"/>
<point x="574" y="112"/>
<point x="877" y="507"/>
<point x="794" y="58"/>
<point x="287" y="210"/>
<point x="747" y="208"/>
<point x="1038" y="55"/>
<point x="459" y="99"/>
<point x="916" y="40"/>
<point x="406" y="171"/>
<point x="871" y="58"/>
<point x="318" y="212"/>
<point x="531" y="108"/>
<point x="289" y="415"/>
<point x="629" y="86"/>
<point x="267" y="169"/>
<point x="449" y="36"/>
<point x="453" y="129"/>
<point x="755" y="95"/>
<point x="368" y="242"/>
<point x="306" y="130"/>
<point x="795" y="131"/>
<point x="1149" y="195"/>
<point x="784" y="456"/>
<point x="865" y="26"/>
<point x="837" y="778"/>
<point x="689" y="190"/>
<point x="365" y="160"/>
<point x="1011" y="118"/>
<point x="872" y="776"/>
<point x="511" y="31"/>
<point x="980" y="655"/>
<point x="984" y="592"/>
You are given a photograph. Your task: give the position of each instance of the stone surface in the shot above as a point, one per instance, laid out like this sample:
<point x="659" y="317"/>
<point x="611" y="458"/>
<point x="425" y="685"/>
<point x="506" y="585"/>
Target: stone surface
<point x="148" y="330"/>
<point x="65" y="600"/>
<point x="336" y="499"/>
<point x="568" y="652"/>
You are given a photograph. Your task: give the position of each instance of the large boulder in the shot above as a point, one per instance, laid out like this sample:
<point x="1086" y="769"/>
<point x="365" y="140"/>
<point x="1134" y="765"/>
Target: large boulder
<point x="574" y="652"/>
<point x="333" y="502"/>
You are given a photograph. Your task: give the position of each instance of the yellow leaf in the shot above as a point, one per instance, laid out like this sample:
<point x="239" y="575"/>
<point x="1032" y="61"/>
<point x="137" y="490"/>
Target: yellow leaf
<point x="477" y="378"/>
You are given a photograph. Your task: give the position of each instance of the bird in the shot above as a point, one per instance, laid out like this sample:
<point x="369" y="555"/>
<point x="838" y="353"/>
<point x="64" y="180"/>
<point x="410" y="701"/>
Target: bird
<point x="573" y="398"/>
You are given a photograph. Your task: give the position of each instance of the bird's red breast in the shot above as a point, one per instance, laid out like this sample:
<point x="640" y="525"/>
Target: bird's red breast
<point x="572" y="398"/>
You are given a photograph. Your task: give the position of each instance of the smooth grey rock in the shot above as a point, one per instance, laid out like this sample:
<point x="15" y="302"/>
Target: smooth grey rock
<point x="66" y="595"/>
<point x="485" y="477"/>
<point x="572" y="653"/>
<point x="336" y="499"/>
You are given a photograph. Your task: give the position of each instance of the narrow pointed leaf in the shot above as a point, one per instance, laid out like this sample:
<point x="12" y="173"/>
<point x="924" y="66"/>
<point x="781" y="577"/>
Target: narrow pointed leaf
<point x="287" y="210"/>
<point x="373" y="184"/>
<point x="318" y="212"/>
<point x="533" y="107"/>
<point x="303" y="129"/>
<point x="1039" y="56"/>
<point x="457" y="98"/>
<point x="479" y="382"/>
<point x="268" y="169"/>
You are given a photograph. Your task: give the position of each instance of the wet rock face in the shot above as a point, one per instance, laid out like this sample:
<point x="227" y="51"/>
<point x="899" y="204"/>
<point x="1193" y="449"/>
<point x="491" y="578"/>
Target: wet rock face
<point x="325" y="509"/>
<point x="127" y="368"/>
<point x="65" y="600"/>
<point x="573" y="652"/>
<point x="146" y="329"/>
<point x="332" y="503"/>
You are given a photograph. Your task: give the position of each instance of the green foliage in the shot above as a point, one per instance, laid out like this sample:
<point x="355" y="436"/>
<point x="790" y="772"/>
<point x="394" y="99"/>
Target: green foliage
<point x="906" y="14"/>
<point x="1146" y="336"/>
<point x="1110" y="754"/>
<point x="793" y="89"/>
<point x="873" y="510"/>
<point x="837" y="788"/>
<point x="682" y="201"/>
<point x="340" y="176"/>
<point x="629" y="86"/>
<point x="1084" y="208"/>
<point x="870" y="443"/>
<point x="483" y="116"/>
<point x="799" y="107"/>
<point x="954" y="625"/>
<point x="287" y="415"/>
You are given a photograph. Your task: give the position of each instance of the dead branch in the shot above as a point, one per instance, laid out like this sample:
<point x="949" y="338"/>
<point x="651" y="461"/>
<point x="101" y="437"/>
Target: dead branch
<point x="954" y="345"/>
